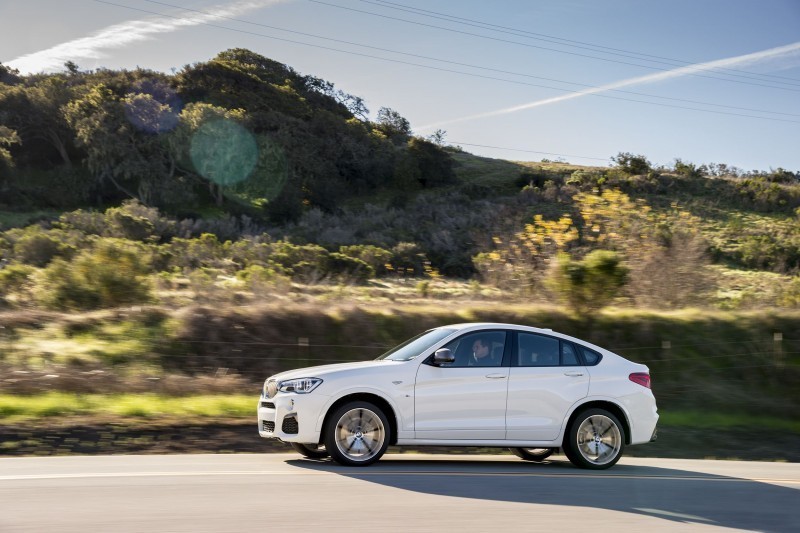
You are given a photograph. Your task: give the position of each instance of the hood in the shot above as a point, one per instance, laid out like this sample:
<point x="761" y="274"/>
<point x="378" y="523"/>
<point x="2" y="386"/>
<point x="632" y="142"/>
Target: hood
<point x="326" y="370"/>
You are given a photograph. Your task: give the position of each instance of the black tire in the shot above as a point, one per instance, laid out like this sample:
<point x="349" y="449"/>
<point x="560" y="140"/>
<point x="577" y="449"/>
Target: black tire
<point x="312" y="451"/>
<point x="595" y="440"/>
<point x="537" y="455"/>
<point x="357" y="434"/>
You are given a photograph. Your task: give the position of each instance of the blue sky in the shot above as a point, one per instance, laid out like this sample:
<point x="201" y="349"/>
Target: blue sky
<point x="760" y="39"/>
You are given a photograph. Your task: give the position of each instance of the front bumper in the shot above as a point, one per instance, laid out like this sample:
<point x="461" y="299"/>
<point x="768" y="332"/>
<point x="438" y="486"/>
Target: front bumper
<point x="291" y="417"/>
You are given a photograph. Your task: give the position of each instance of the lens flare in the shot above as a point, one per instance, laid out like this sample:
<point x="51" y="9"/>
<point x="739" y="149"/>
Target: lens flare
<point x="224" y="152"/>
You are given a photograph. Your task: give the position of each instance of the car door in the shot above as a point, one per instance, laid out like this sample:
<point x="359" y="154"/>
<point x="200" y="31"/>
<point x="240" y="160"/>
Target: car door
<point x="546" y="378"/>
<point x="466" y="399"/>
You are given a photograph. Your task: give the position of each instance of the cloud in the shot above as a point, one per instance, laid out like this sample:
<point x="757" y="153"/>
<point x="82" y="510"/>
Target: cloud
<point x="789" y="51"/>
<point x="124" y="34"/>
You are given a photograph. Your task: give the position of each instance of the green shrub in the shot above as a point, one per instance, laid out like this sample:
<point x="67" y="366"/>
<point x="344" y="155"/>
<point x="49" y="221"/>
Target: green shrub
<point x="424" y="288"/>
<point x="300" y="258"/>
<point x="374" y="256"/>
<point x="138" y="222"/>
<point x="591" y="283"/>
<point x="110" y="274"/>
<point x="762" y="193"/>
<point x="257" y="276"/>
<point x="13" y="277"/>
<point x="204" y="251"/>
<point x="584" y="179"/>
<point x="790" y="296"/>
<point x="249" y="251"/>
<point x="689" y="170"/>
<point x="344" y="266"/>
<point x="407" y="258"/>
<point x="126" y="226"/>
<point x="87" y="222"/>
<point x="38" y="247"/>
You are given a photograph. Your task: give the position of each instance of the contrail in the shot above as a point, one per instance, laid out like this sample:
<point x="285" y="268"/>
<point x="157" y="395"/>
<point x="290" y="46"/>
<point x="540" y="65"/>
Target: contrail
<point x="743" y="60"/>
<point x="124" y="34"/>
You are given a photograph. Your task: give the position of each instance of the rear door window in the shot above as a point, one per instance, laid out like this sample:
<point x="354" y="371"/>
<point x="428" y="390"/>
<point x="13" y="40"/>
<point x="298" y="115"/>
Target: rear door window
<point x="537" y="350"/>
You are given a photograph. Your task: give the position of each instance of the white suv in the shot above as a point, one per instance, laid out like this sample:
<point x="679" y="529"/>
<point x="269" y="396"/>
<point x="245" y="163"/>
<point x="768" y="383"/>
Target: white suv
<point x="492" y="385"/>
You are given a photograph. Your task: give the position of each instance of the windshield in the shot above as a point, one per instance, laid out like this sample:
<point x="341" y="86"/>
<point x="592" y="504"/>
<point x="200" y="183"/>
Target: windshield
<point x="416" y="345"/>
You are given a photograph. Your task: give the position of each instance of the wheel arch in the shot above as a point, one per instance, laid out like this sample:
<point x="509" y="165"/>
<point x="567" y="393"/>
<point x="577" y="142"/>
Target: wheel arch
<point x="609" y="406"/>
<point x="373" y="398"/>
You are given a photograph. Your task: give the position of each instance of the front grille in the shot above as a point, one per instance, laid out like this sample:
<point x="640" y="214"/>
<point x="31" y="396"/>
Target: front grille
<point x="268" y="426"/>
<point x="268" y="405"/>
<point x="290" y="425"/>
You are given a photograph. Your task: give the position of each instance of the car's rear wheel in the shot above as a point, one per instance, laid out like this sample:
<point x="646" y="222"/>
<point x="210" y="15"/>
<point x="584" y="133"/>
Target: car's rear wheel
<point x="595" y="440"/>
<point x="312" y="451"/>
<point x="357" y="434"/>
<point x="536" y="455"/>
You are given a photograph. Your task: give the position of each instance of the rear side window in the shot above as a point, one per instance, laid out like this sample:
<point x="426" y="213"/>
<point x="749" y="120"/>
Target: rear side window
<point x="590" y="356"/>
<point x="537" y="350"/>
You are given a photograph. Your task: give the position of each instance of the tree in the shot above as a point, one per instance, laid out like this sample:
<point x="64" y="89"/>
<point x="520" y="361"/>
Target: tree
<point x="434" y="164"/>
<point x="138" y="163"/>
<point x="8" y="137"/>
<point x="36" y="113"/>
<point x="9" y="75"/>
<point x="437" y="137"/>
<point x="393" y="125"/>
<point x="354" y="104"/>
<point x="71" y="67"/>
<point x="632" y="164"/>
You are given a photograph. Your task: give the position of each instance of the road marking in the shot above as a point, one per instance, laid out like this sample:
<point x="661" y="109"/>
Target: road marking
<point x="152" y="474"/>
<point x="672" y="515"/>
<point x="22" y="477"/>
<point x="579" y="476"/>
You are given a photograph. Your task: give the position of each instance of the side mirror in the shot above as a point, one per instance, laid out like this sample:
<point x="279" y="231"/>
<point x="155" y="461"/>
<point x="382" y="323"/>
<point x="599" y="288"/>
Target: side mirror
<point x="443" y="355"/>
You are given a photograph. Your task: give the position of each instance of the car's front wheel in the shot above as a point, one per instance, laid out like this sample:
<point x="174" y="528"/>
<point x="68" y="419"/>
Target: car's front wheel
<point x="312" y="451"/>
<point x="536" y="455"/>
<point x="357" y="434"/>
<point x="594" y="440"/>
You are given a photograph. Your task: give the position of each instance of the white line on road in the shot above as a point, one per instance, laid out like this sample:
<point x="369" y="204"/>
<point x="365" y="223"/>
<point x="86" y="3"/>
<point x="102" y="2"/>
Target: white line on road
<point x="22" y="477"/>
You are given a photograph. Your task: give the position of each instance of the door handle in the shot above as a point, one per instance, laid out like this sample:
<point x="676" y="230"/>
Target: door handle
<point x="495" y="376"/>
<point x="573" y="374"/>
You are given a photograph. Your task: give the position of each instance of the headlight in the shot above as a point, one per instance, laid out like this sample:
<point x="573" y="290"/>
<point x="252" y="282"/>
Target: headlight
<point x="300" y="386"/>
<point x="270" y="388"/>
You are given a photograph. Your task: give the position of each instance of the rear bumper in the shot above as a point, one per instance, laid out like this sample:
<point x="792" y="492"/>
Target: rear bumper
<point x="643" y="419"/>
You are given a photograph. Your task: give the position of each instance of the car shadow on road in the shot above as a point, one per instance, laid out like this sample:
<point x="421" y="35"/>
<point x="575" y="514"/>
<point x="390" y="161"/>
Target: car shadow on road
<point x="685" y="496"/>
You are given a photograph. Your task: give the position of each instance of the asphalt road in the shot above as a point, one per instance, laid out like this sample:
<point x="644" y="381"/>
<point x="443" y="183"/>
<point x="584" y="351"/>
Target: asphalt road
<point x="282" y="492"/>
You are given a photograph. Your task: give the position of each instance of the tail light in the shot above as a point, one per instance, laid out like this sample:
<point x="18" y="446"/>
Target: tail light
<point x="642" y="378"/>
